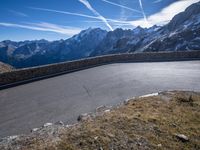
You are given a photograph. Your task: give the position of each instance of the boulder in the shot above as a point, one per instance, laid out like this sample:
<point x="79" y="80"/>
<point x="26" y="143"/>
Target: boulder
<point x="182" y="137"/>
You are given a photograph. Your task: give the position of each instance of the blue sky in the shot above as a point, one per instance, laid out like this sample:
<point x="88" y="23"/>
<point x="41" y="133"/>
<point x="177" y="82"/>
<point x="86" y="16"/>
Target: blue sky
<point x="61" y="19"/>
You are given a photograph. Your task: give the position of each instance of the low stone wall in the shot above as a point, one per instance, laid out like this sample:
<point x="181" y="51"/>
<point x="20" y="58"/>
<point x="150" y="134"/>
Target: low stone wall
<point x="35" y="73"/>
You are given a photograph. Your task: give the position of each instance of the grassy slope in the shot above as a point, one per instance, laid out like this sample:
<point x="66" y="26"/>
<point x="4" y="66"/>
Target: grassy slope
<point x="142" y="123"/>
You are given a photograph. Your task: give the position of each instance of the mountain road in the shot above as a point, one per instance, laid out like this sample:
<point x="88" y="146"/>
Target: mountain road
<point x="66" y="96"/>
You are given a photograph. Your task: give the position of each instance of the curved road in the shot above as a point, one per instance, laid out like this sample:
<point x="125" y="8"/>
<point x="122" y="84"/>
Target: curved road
<point x="65" y="97"/>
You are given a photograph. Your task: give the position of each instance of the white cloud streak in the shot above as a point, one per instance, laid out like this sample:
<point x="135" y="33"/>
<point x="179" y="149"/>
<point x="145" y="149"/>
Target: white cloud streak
<point x="64" y="12"/>
<point x="44" y="26"/>
<point x="157" y="1"/>
<point x="119" y="24"/>
<point x="165" y="15"/>
<point x="123" y="12"/>
<point x="87" y="4"/>
<point x="142" y="9"/>
<point x="79" y="14"/>
<point x="121" y="6"/>
<point x="18" y="13"/>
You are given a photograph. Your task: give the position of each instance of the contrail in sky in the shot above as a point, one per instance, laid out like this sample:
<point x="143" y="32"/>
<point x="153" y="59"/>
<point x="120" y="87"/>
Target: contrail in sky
<point x="144" y="15"/>
<point x="44" y="26"/>
<point x="87" y="4"/>
<point x="122" y="6"/>
<point x="80" y="14"/>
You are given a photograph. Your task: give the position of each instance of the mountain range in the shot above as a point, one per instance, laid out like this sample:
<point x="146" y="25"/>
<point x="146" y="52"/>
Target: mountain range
<point x="182" y="33"/>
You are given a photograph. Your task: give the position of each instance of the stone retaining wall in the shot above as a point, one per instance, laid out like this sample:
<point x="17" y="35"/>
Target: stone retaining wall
<point x="35" y="73"/>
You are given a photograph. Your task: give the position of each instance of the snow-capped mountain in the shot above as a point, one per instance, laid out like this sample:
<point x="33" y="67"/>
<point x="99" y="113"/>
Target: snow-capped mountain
<point x="182" y="33"/>
<point x="83" y="44"/>
<point x="108" y="43"/>
<point x="40" y="52"/>
<point x="123" y="41"/>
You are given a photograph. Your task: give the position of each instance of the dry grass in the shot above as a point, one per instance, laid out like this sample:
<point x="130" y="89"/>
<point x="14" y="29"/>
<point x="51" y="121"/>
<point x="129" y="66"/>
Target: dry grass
<point x="142" y="123"/>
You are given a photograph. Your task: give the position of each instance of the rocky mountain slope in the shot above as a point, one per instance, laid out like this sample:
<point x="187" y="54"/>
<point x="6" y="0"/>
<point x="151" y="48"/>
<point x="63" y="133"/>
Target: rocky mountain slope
<point x="168" y="120"/>
<point x="40" y="52"/>
<point x="5" y="67"/>
<point x="182" y="33"/>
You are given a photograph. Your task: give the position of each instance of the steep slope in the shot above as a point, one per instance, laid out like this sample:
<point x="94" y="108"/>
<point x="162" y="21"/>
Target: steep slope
<point x="181" y="19"/>
<point x="83" y="44"/>
<point x="182" y="33"/>
<point x="136" y="42"/>
<point x="5" y="67"/>
<point x="40" y="52"/>
<point x="107" y="44"/>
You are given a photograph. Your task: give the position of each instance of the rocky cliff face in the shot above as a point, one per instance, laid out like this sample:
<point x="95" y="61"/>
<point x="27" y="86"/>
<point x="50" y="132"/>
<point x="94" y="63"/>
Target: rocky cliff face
<point x="188" y="17"/>
<point x="181" y="34"/>
<point x="108" y="43"/>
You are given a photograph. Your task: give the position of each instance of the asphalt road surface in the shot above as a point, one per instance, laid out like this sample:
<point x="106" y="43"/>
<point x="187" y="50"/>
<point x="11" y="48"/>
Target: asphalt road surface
<point x="65" y="97"/>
